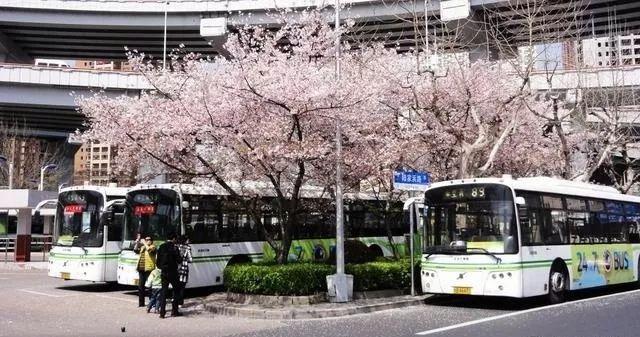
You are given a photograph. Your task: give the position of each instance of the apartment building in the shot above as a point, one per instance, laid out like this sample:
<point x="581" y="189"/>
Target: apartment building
<point x="94" y="164"/>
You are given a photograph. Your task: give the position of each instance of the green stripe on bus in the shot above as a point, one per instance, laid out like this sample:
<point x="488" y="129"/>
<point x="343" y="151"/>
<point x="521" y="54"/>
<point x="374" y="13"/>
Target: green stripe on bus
<point x="199" y="259"/>
<point x="485" y="266"/>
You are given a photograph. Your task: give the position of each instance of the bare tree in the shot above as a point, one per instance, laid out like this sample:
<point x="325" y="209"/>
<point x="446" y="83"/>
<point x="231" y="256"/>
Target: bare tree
<point x="28" y="154"/>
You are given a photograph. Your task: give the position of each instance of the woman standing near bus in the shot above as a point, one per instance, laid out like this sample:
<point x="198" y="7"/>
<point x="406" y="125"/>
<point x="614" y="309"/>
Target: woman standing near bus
<point x="146" y="263"/>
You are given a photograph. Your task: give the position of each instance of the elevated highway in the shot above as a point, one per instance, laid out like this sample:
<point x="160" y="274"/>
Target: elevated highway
<point x="100" y="29"/>
<point x="41" y="100"/>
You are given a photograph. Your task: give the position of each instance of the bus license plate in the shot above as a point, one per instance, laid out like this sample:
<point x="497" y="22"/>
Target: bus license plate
<point x="65" y="276"/>
<point x="462" y="290"/>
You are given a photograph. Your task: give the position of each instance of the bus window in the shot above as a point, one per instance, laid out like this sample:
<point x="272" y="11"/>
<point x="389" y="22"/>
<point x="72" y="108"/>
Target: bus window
<point x="555" y="221"/>
<point x="577" y="219"/>
<point x="529" y="217"/>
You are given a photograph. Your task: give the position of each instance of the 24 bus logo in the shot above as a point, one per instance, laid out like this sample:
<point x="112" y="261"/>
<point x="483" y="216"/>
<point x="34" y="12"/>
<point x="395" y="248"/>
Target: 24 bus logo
<point x="583" y="263"/>
<point x="620" y="260"/>
<point x="615" y="261"/>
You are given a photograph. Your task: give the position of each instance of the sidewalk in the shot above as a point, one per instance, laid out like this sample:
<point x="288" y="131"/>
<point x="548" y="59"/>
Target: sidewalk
<point x="218" y="304"/>
<point x="37" y="263"/>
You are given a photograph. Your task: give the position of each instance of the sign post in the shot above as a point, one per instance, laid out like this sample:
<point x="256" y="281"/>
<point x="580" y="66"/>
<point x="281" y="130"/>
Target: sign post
<point x="411" y="181"/>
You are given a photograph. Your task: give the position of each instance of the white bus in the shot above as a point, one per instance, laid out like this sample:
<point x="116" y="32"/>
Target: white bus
<point x="527" y="237"/>
<point x="221" y="232"/>
<point x="86" y="243"/>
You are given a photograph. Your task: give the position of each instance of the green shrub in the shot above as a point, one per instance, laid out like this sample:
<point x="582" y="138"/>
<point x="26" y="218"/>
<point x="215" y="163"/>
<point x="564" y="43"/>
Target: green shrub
<point x="310" y="278"/>
<point x="380" y="275"/>
<point x="289" y="279"/>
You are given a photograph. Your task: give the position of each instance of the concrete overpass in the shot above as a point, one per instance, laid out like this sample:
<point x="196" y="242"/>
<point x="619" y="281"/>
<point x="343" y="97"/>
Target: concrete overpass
<point x="41" y="99"/>
<point x="100" y="29"/>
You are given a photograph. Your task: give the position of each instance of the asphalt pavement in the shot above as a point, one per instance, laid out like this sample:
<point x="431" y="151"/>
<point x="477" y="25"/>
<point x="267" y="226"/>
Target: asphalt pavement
<point x="33" y="304"/>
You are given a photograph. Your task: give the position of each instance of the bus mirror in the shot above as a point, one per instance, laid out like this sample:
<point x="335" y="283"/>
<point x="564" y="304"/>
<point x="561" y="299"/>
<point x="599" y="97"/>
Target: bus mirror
<point x="520" y="201"/>
<point x="107" y="218"/>
<point x="185" y="205"/>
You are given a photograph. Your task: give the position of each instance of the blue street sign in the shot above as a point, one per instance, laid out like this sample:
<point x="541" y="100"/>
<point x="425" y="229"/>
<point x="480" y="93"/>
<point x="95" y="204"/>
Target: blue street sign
<point x="411" y="180"/>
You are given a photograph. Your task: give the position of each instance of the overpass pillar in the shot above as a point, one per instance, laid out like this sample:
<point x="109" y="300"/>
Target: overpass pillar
<point x="23" y="236"/>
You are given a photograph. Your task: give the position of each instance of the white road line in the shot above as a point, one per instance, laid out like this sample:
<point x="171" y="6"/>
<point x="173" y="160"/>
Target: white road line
<point x="3" y="278"/>
<point x="39" y="293"/>
<point x="517" y="313"/>
<point x="118" y="298"/>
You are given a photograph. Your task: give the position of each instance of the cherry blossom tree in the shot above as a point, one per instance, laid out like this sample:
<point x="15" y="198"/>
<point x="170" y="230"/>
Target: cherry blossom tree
<point x="261" y="122"/>
<point x="266" y="114"/>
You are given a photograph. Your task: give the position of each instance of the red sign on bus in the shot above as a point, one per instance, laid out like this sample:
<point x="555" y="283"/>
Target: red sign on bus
<point x="144" y="209"/>
<point x="73" y="209"/>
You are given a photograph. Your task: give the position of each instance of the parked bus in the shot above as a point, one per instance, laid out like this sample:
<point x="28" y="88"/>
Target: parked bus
<point x="221" y="232"/>
<point x="86" y="242"/>
<point x="527" y="237"/>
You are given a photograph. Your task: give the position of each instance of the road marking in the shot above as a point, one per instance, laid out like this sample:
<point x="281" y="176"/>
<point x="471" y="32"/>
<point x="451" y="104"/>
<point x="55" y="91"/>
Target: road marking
<point x="118" y="298"/>
<point x="3" y="278"/>
<point x="39" y="293"/>
<point x="517" y="313"/>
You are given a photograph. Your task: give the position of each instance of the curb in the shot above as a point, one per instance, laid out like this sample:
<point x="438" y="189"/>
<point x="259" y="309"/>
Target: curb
<point x="307" y="312"/>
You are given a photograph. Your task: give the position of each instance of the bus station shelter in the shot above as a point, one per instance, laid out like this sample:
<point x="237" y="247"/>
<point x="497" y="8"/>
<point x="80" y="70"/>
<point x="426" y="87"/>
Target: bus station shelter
<point x="23" y="203"/>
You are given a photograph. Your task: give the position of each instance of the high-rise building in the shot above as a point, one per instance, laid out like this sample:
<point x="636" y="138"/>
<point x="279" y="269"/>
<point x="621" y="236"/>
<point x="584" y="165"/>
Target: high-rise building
<point x="94" y="164"/>
<point x="622" y="50"/>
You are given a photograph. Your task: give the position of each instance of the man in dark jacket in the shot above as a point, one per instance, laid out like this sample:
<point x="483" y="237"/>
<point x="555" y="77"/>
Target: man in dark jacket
<point x="168" y="260"/>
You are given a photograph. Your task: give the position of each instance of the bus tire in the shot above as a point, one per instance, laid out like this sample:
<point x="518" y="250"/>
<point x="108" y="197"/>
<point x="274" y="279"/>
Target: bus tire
<point x="558" y="282"/>
<point x="638" y="274"/>
<point x="238" y="259"/>
<point x="376" y="251"/>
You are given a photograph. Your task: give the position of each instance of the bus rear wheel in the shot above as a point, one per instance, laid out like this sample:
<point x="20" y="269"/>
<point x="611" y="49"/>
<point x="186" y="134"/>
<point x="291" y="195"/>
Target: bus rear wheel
<point x="558" y="279"/>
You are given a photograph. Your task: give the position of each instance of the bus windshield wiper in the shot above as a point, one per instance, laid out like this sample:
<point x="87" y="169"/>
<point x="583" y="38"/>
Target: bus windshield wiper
<point x="498" y="260"/>
<point x="440" y="250"/>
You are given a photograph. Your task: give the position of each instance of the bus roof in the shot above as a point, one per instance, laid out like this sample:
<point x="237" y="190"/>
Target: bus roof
<point x="547" y="185"/>
<point x="263" y="189"/>
<point x="107" y="190"/>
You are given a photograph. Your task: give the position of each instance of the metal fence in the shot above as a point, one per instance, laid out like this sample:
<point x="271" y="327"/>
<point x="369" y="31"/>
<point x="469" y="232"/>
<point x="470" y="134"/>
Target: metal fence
<point x="39" y="244"/>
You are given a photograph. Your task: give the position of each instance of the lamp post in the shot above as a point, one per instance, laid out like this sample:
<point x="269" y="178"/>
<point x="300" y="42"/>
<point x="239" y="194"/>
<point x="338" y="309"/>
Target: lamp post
<point x="339" y="285"/>
<point x="42" y="171"/>
<point x="10" y="164"/>
<point x="164" y="46"/>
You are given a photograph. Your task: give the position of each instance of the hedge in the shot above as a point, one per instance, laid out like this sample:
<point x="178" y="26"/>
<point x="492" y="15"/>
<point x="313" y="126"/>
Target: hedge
<point x="310" y="278"/>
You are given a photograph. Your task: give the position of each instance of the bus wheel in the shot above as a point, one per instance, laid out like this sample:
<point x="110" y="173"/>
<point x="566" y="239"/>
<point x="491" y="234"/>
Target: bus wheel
<point x="558" y="280"/>
<point x="238" y="259"/>
<point x="376" y="251"/>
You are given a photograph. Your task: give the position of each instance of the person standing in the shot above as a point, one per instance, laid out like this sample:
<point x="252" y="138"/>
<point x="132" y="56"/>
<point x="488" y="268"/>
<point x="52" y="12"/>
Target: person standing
<point x="146" y="263"/>
<point x="168" y="261"/>
<point x="183" y="269"/>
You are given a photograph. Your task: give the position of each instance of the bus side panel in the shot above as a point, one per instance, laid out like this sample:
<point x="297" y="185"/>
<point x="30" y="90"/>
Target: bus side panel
<point x="210" y="259"/>
<point x="111" y="260"/>
<point x="536" y="265"/>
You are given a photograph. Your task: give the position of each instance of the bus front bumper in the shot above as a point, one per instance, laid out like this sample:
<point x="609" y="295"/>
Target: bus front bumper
<point x="507" y="282"/>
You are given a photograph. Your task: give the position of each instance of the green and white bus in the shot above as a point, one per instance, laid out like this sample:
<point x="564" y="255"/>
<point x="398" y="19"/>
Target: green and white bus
<point x="527" y="237"/>
<point x="86" y="245"/>
<point x="221" y="232"/>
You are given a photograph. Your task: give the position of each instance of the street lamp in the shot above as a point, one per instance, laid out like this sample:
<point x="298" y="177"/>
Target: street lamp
<point x="339" y="285"/>
<point x="42" y="171"/>
<point x="164" y="48"/>
<point x="10" y="164"/>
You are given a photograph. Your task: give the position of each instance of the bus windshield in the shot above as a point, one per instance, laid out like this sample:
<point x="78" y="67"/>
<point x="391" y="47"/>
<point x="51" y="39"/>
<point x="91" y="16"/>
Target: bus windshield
<point x="78" y="219"/>
<point x="153" y="212"/>
<point x="479" y="215"/>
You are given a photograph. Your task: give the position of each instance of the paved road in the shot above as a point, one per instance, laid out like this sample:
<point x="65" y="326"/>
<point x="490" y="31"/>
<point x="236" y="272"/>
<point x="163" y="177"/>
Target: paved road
<point x="32" y="304"/>
<point x="602" y="313"/>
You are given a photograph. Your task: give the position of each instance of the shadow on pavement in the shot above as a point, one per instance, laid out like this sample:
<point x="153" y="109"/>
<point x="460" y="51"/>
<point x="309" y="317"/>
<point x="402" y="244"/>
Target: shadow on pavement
<point x="514" y="304"/>
<point x="96" y="287"/>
